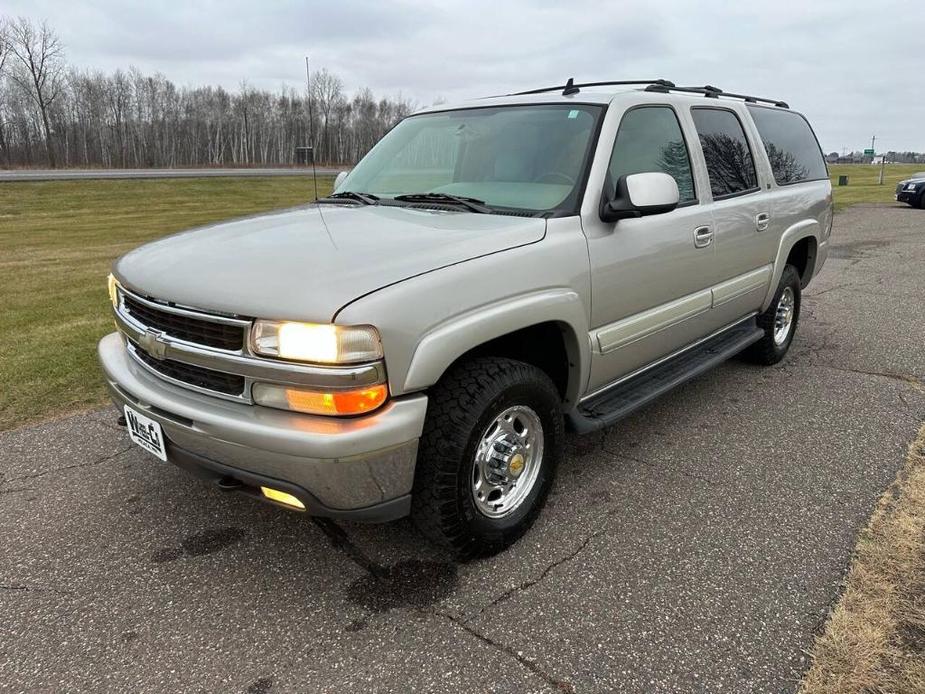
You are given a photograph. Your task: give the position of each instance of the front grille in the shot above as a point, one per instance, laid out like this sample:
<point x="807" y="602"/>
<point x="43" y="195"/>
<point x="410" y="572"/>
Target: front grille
<point x="229" y="384"/>
<point x="188" y="328"/>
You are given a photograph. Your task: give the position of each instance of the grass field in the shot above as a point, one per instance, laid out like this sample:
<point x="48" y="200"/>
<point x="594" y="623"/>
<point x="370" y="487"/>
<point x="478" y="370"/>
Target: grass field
<point x="57" y="241"/>
<point x="58" y="238"/>
<point x="862" y="182"/>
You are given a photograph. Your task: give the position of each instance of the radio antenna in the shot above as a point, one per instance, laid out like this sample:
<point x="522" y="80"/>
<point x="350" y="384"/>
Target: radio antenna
<point x="311" y="127"/>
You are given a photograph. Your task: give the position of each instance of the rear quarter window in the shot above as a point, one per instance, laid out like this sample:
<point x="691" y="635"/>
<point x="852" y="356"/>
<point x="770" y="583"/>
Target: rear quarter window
<point x="792" y="148"/>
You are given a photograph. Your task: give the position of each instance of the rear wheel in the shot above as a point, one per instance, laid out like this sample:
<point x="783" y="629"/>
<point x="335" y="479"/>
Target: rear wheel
<point x="779" y="321"/>
<point x="488" y="455"/>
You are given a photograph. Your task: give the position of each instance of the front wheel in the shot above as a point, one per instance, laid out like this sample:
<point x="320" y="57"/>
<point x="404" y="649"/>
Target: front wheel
<point x="488" y="455"/>
<point x="779" y="321"/>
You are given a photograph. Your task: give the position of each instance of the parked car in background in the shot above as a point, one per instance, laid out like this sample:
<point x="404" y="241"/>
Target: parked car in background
<point x="489" y="273"/>
<point x="912" y="190"/>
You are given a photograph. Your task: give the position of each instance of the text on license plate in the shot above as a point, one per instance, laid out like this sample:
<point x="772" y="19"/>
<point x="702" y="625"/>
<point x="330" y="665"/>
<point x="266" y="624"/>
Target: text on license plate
<point x="145" y="432"/>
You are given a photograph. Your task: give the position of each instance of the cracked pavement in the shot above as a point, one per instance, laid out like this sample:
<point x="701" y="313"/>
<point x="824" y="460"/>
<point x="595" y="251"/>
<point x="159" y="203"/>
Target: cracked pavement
<point x="696" y="546"/>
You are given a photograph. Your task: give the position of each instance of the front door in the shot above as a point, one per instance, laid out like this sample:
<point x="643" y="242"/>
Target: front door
<point x="651" y="276"/>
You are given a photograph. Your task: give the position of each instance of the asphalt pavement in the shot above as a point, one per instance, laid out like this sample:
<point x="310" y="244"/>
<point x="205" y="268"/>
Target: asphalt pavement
<point x="696" y="546"/>
<point x="88" y="174"/>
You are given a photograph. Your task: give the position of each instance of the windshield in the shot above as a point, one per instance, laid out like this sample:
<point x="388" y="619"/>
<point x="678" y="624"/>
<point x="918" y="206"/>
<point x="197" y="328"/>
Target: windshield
<point x="530" y="158"/>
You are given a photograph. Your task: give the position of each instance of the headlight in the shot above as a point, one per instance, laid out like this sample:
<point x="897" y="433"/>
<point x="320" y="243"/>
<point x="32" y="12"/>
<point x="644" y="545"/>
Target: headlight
<point x="911" y="186"/>
<point x="113" y="290"/>
<point x="316" y="342"/>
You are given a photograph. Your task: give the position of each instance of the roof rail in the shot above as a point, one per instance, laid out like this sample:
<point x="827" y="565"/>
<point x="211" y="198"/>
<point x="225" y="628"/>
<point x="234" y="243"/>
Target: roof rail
<point x="571" y="87"/>
<point x="714" y="93"/>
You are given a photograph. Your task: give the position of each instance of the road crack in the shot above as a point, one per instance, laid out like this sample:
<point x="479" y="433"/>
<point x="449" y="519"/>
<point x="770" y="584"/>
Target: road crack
<point x="91" y="463"/>
<point x="32" y="589"/>
<point x="909" y="379"/>
<point x="529" y="583"/>
<point x="525" y="662"/>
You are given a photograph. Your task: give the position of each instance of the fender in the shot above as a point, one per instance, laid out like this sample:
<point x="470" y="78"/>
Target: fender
<point x="443" y="345"/>
<point x="799" y="231"/>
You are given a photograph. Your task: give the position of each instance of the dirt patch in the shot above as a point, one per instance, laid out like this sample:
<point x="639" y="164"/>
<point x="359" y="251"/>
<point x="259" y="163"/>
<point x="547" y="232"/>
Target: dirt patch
<point x="874" y="640"/>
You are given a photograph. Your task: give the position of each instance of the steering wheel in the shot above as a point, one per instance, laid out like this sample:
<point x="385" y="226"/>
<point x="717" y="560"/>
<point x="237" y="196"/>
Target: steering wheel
<point x="558" y="177"/>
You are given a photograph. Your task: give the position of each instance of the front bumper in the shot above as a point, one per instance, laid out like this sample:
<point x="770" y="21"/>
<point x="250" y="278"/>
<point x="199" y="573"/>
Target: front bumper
<point x="908" y="196"/>
<point x="361" y="468"/>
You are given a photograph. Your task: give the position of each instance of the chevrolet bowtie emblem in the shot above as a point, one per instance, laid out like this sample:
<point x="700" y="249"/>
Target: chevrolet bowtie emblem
<point x="154" y="344"/>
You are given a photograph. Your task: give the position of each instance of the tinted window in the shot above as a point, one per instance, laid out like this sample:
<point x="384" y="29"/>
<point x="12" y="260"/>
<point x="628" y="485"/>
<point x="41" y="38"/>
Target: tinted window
<point x="725" y="149"/>
<point x="791" y="146"/>
<point x="650" y="139"/>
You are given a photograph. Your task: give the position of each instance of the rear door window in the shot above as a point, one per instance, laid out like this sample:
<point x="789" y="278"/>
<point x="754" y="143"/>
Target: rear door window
<point x="650" y="140"/>
<point x="726" y="151"/>
<point x="792" y="148"/>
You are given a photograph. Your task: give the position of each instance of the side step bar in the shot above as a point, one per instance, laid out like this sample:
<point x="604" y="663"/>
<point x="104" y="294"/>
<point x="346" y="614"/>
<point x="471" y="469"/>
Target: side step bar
<point x="617" y="402"/>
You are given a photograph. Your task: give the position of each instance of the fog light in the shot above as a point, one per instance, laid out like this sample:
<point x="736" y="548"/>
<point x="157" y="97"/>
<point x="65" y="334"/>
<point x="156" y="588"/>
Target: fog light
<point x="282" y="497"/>
<point x="333" y="402"/>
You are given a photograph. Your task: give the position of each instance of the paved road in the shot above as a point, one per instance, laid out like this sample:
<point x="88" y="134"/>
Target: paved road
<point x="695" y="547"/>
<point x="85" y="174"/>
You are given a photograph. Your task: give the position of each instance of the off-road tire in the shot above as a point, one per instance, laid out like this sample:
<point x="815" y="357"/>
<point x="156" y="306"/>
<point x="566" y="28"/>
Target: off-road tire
<point x="766" y="351"/>
<point x="461" y="406"/>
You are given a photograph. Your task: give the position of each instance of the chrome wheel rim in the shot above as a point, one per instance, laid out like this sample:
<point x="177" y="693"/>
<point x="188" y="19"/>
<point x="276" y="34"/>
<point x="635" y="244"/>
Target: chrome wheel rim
<point x="783" y="318"/>
<point x="507" y="461"/>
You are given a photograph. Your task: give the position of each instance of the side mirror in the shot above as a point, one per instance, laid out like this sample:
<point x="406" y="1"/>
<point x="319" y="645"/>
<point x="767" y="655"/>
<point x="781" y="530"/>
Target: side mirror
<point x="340" y="179"/>
<point x="641" y="194"/>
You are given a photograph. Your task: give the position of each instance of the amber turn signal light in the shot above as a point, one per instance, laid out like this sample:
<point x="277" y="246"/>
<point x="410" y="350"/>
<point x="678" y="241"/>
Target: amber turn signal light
<point x="332" y="403"/>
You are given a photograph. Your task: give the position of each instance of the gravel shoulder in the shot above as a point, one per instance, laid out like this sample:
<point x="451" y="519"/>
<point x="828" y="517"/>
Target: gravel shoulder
<point x="696" y="546"/>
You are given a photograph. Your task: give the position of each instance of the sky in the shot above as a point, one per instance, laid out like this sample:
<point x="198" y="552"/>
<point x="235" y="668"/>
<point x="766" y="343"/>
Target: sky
<point x="854" y="68"/>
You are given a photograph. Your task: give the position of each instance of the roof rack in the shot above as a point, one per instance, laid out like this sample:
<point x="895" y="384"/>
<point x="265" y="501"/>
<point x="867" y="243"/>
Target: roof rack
<point x="658" y="85"/>
<point x="714" y="93"/>
<point x="571" y="87"/>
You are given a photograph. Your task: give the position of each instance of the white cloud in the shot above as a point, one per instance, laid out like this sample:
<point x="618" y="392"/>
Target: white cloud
<point x="842" y="62"/>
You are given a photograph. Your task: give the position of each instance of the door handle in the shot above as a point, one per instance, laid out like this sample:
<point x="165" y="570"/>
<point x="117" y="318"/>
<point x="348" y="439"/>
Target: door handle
<point x="762" y="221"/>
<point x="703" y="237"/>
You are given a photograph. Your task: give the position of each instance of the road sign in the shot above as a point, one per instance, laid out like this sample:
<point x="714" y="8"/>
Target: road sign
<point x="868" y="152"/>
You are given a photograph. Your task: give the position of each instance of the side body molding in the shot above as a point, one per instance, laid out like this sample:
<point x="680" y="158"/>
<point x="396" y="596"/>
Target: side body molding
<point x="448" y="341"/>
<point x="641" y="325"/>
<point x="801" y="230"/>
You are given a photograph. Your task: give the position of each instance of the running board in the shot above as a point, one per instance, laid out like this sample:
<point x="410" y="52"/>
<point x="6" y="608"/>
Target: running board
<point x="617" y="402"/>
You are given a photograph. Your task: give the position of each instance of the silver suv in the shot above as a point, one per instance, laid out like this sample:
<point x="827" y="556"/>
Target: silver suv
<point x="489" y="273"/>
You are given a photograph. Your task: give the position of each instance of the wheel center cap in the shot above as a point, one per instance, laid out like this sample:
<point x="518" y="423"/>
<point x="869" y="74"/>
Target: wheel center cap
<point x="516" y="466"/>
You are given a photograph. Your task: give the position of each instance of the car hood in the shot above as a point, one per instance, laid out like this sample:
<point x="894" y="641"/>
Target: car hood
<point x="914" y="179"/>
<point x="308" y="262"/>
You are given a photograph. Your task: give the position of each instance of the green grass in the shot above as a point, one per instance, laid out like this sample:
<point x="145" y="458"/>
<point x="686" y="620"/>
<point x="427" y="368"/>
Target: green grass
<point x="57" y="241"/>
<point x="862" y="182"/>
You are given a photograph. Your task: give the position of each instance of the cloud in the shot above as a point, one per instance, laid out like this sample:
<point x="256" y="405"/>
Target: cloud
<point x="842" y="63"/>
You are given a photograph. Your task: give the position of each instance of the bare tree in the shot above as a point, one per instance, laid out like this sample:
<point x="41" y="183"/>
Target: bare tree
<point x="4" y="56"/>
<point x="41" y="69"/>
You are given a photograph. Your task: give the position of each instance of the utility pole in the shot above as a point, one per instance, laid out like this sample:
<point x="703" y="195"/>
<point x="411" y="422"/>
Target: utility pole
<point x="311" y="126"/>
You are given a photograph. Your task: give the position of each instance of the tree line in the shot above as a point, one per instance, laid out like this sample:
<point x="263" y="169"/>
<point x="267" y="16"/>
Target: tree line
<point x="53" y="114"/>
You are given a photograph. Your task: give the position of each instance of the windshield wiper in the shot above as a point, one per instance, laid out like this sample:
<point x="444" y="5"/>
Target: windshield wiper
<point x="362" y="198"/>
<point x="471" y="204"/>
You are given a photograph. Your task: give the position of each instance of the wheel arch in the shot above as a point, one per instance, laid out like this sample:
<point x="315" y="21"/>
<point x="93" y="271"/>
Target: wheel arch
<point x="547" y="329"/>
<point x="798" y="246"/>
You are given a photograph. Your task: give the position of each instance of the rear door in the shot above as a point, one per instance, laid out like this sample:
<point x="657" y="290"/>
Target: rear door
<point x="741" y="213"/>
<point x="800" y="192"/>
